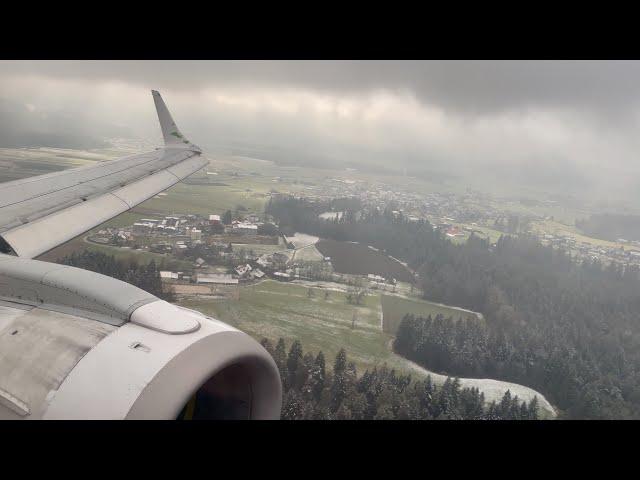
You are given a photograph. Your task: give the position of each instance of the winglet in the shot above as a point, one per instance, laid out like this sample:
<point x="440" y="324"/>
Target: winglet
<point x="169" y="128"/>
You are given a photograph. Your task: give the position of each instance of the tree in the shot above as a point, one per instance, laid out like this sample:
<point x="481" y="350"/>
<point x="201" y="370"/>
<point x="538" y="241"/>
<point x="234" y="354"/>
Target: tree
<point x="382" y="394"/>
<point x="227" y="218"/>
<point x="268" y="346"/>
<point x="533" y="408"/>
<point x="318" y="377"/>
<point x="267" y="229"/>
<point x="340" y="364"/>
<point x="294" y="362"/>
<point x="292" y="406"/>
<point x="339" y="384"/>
<point x="280" y="357"/>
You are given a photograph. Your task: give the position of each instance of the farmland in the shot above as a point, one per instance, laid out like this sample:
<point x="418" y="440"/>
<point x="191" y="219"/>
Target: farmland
<point x="358" y="259"/>
<point x="394" y="308"/>
<point x="79" y="244"/>
<point x="272" y="310"/>
<point x="321" y="318"/>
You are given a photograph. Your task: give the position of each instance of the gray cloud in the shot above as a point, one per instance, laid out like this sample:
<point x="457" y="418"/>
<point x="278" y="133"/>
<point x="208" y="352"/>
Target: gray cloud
<point x="466" y="86"/>
<point x="573" y="123"/>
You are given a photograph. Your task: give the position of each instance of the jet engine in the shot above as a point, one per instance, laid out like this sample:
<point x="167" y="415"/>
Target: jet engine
<point x="79" y="345"/>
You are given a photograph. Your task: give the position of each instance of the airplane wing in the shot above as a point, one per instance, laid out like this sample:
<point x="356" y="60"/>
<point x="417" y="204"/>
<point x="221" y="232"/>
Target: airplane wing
<point x="42" y="212"/>
<point x="76" y="344"/>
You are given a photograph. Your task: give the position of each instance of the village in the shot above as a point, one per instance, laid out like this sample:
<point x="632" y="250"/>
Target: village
<point x="473" y="212"/>
<point x="220" y="253"/>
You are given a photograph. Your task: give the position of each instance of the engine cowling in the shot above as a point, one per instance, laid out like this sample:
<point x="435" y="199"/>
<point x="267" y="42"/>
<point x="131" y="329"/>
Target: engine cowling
<point x="91" y="347"/>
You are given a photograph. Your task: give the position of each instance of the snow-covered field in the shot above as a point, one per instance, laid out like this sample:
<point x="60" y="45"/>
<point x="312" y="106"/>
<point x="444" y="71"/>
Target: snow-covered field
<point x="300" y="240"/>
<point x="492" y="389"/>
<point x="309" y="254"/>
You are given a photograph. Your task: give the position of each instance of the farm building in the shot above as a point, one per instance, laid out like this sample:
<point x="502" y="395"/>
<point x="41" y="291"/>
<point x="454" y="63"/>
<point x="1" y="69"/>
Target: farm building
<point x="257" y="273"/>
<point x="245" y="228"/>
<point x="243" y="270"/>
<point x="195" y="234"/>
<point x="219" y="278"/>
<point x="166" y="275"/>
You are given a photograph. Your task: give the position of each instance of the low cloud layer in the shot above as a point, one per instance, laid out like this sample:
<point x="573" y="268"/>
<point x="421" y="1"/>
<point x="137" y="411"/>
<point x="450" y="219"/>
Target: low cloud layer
<point x="560" y="122"/>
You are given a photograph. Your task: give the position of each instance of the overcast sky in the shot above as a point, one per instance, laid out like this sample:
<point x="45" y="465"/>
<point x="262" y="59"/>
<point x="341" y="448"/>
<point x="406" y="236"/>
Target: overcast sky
<point x="577" y="119"/>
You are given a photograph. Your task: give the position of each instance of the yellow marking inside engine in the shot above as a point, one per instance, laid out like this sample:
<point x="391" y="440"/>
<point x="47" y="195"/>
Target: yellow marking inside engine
<point x="191" y="408"/>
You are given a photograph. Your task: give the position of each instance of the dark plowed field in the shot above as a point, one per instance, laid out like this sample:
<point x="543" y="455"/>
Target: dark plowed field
<point x="359" y="259"/>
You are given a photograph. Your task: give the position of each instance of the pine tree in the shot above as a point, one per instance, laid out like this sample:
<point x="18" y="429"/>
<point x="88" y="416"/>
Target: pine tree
<point x="505" y="405"/>
<point x="280" y="357"/>
<point x="318" y="377"/>
<point x="533" y="408"/>
<point x="294" y="361"/>
<point x="268" y="346"/>
<point x="339" y="384"/>
<point x="292" y="406"/>
<point x="340" y="365"/>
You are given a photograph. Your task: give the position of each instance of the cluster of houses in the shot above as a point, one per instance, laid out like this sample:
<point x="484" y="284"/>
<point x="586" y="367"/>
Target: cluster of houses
<point x="173" y="234"/>
<point x="378" y="281"/>
<point x="586" y="250"/>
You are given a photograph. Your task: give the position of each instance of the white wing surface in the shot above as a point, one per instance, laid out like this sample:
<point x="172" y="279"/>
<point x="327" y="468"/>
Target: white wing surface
<point x="42" y="212"/>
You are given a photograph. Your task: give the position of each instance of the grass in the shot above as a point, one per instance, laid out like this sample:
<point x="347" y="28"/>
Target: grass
<point x="554" y="227"/>
<point x="308" y="254"/>
<point x="78" y="244"/>
<point x="395" y="308"/>
<point x="272" y="310"/>
<point x="203" y="200"/>
<point x="268" y="309"/>
<point x="260" y="249"/>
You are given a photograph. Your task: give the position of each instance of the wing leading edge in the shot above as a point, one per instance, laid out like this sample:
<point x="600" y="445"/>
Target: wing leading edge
<point x="42" y="212"/>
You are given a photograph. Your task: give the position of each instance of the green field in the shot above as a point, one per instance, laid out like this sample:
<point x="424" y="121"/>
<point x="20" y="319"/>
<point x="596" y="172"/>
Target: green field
<point x="272" y="310"/>
<point x="260" y="249"/>
<point x="549" y="226"/>
<point x="79" y="244"/>
<point x="308" y="254"/>
<point x="395" y="308"/>
<point x="203" y="200"/>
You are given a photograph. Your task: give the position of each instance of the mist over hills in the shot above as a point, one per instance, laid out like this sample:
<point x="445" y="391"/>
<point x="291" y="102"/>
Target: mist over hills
<point x="23" y="126"/>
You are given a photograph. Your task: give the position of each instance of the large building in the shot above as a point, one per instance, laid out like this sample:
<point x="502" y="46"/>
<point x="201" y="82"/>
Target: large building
<point x="245" y="228"/>
<point x="219" y="278"/>
<point x="195" y="235"/>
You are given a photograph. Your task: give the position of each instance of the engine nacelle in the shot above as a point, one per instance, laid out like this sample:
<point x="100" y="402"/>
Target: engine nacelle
<point x="79" y="345"/>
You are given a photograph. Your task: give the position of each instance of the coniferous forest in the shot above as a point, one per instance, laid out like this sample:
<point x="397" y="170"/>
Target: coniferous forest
<point x="146" y="277"/>
<point x="565" y="327"/>
<point x="317" y="390"/>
